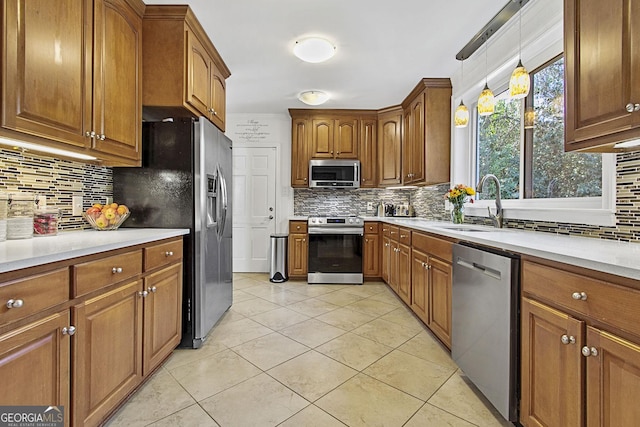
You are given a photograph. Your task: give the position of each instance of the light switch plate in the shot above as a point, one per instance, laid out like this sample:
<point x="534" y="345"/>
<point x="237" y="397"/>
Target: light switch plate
<point x="76" y="205"/>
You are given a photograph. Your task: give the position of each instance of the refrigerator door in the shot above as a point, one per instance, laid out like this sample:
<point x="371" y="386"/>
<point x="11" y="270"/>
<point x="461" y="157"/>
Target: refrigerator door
<point x="214" y="293"/>
<point x="226" y="245"/>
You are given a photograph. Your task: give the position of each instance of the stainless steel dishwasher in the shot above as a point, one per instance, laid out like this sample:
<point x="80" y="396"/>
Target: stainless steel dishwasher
<point x="485" y="323"/>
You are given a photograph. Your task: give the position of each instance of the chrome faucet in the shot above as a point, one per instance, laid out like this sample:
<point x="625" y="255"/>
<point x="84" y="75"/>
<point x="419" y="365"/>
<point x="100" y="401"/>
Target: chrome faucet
<point x="497" y="218"/>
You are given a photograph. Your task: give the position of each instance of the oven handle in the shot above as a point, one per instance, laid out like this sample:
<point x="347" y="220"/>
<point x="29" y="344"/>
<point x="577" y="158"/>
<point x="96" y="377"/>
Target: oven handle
<point x="336" y="230"/>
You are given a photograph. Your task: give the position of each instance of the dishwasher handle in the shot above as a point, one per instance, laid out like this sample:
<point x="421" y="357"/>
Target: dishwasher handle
<point x="480" y="268"/>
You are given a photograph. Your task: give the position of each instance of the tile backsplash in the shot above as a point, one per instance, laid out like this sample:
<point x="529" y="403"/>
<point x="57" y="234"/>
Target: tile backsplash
<point x="57" y="180"/>
<point x="428" y="203"/>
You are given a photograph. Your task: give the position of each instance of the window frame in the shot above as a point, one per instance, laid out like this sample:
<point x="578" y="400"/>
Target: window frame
<point x="578" y="210"/>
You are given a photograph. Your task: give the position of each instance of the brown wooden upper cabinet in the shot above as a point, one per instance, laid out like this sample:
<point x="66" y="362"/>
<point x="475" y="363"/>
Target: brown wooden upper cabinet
<point x="182" y="68"/>
<point x="389" y="146"/>
<point x="82" y="89"/>
<point x="334" y="138"/>
<point x="368" y="152"/>
<point x="602" y="62"/>
<point x="426" y="139"/>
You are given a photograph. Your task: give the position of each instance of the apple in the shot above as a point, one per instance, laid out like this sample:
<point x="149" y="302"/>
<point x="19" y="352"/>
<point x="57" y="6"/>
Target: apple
<point x="102" y="221"/>
<point x="122" y="209"/>
<point x="109" y="213"/>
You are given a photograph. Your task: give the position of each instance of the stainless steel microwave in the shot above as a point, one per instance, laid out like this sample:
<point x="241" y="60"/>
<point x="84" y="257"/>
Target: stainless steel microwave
<point x="332" y="173"/>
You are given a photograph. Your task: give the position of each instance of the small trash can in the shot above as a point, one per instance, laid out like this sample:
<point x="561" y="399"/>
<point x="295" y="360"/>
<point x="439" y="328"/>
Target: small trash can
<point x="278" y="258"/>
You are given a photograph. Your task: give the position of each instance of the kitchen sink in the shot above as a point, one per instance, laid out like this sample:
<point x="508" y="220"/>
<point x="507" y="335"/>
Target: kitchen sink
<point x="463" y="228"/>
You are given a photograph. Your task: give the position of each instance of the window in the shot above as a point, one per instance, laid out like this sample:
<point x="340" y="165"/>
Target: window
<point x="527" y="153"/>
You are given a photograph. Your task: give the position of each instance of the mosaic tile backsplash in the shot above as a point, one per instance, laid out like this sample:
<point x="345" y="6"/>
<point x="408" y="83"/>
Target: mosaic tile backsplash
<point x="428" y="203"/>
<point x="57" y="180"/>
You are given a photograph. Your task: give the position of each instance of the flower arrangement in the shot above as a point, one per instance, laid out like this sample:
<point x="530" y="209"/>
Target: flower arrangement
<point x="458" y="196"/>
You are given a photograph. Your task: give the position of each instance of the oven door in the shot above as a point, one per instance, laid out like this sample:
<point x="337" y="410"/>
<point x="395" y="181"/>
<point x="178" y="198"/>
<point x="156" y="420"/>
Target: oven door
<point x="335" y="256"/>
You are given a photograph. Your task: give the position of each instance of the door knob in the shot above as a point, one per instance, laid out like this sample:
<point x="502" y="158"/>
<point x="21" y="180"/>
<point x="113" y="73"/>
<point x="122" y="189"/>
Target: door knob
<point x="568" y="339"/>
<point x="589" y="351"/>
<point x="629" y="107"/>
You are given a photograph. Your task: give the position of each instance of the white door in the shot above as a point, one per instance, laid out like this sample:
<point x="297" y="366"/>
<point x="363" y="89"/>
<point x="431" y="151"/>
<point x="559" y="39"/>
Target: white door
<point x="254" y="207"/>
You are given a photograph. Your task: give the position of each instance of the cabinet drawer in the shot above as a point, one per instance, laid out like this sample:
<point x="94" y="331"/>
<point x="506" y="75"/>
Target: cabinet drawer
<point x="162" y="254"/>
<point x="297" y="227"/>
<point x="605" y="302"/>
<point x="404" y="236"/>
<point x="371" y="227"/>
<point x="93" y="275"/>
<point x="391" y="231"/>
<point x="33" y="294"/>
<point x="432" y="245"/>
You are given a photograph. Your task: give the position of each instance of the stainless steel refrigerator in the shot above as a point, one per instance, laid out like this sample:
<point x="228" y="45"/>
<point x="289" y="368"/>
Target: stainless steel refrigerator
<point x="185" y="182"/>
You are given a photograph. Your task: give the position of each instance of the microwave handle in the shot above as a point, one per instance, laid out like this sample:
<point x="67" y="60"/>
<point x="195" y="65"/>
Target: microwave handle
<point x="357" y="165"/>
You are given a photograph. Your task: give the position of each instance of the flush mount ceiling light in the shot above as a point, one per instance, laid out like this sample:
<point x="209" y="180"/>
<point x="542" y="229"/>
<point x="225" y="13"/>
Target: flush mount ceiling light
<point x="520" y="81"/>
<point x="313" y="97"/>
<point x="314" y="49"/>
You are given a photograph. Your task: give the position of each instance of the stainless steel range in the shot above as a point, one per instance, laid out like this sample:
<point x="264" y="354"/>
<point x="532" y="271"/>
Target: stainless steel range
<point x="335" y="250"/>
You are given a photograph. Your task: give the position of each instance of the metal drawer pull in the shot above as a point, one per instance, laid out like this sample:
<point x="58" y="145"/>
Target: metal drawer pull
<point x="143" y="294"/>
<point x="168" y="253"/>
<point x="631" y="107"/>
<point x="568" y="339"/>
<point x="153" y="289"/>
<point x="115" y="270"/>
<point x="579" y="296"/>
<point x="589" y="351"/>
<point x="69" y="331"/>
<point x="15" y="303"/>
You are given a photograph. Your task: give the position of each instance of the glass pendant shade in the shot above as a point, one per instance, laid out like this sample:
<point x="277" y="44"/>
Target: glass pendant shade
<point x="520" y="82"/>
<point x="486" y="102"/>
<point x="314" y="49"/>
<point x="461" y="116"/>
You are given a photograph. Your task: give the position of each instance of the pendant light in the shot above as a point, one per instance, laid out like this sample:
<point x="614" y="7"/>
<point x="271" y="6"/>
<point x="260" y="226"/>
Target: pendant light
<point x="486" y="101"/>
<point x="520" y="80"/>
<point x="461" y="116"/>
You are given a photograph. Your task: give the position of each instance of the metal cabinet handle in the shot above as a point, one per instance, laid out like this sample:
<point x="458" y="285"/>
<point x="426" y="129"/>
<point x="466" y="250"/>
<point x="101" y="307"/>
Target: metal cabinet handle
<point x="90" y="134"/>
<point x="579" y="296"/>
<point x="393" y="232"/>
<point x="589" y="351"/>
<point x="168" y="253"/>
<point x="143" y="294"/>
<point x="636" y="107"/>
<point x="304" y="240"/>
<point x="305" y="180"/>
<point x="115" y="270"/>
<point x="101" y="137"/>
<point x="71" y="330"/>
<point x="629" y="107"/>
<point x="568" y="339"/>
<point x="15" y="303"/>
<point x="297" y="227"/>
<point x="366" y="240"/>
<point x="152" y="289"/>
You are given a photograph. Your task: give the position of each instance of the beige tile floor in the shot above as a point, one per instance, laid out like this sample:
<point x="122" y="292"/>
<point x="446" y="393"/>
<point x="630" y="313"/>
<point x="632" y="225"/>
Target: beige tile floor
<point x="293" y="354"/>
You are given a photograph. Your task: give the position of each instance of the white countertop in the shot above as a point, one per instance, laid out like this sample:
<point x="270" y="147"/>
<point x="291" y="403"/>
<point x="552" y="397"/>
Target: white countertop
<point x="619" y="258"/>
<point x="17" y="254"/>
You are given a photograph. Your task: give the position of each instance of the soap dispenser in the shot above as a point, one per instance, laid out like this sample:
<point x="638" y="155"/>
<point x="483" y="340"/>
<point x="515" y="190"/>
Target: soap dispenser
<point x="380" y="209"/>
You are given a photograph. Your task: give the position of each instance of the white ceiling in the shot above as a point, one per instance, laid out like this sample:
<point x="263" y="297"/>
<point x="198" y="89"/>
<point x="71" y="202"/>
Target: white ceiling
<point x="383" y="47"/>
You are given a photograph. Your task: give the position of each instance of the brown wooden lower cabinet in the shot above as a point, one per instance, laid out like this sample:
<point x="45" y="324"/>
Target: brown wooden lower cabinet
<point x="34" y="363"/>
<point x="298" y="256"/>
<point x="578" y="367"/>
<point x="371" y="250"/>
<point x="108" y="352"/>
<point x="403" y="261"/>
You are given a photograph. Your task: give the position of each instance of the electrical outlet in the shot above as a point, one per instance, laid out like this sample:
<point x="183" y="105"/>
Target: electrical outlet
<point x="76" y="205"/>
<point x="42" y="201"/>
<point x="109" y="200"/>
<point x="369" y="206"/>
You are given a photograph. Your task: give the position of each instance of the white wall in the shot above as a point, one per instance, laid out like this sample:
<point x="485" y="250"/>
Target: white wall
<point x="268" y="130"/>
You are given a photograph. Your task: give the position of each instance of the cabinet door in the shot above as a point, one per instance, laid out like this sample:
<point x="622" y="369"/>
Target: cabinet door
<point x="117" y="79"/>
<point x="394" y="265"/>
<point x="34" y="364"/>
<point x="371" y="255"/>
<point x="322" y="138"/>
<point x="107" y="352"/>
<point x="420" y="285"/>
<point x="198" y="76"/>
<point x="389" y="139"/>
<point x="404" y="273"/>
<point x="162" y="315"/>
<point x="368" y="153"/>
<point x="218" y="98"/>
<point x="440" y="299"/>
<point x="386" y="259"/>
<point x="413" y="146"/>
<point x="613" y="380"/>
<point x="301" y="138"/>
<point x="602" y="53"/>
<point x="298" y="254"/>
<point x="552" y="387"/>
<point x="47" y="69"/>
<point x="346" y="141"/>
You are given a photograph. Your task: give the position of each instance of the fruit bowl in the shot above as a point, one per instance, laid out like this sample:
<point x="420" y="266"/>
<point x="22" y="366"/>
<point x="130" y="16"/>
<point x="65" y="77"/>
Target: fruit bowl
<point x="106" y="217"/>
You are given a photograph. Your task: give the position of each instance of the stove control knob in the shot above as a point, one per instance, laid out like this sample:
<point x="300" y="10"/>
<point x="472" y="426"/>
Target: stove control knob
<point x="350" y="220"/>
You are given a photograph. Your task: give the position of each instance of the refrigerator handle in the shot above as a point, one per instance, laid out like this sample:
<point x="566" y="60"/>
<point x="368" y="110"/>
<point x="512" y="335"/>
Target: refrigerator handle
<point x="225" y="202"/>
